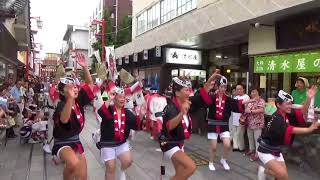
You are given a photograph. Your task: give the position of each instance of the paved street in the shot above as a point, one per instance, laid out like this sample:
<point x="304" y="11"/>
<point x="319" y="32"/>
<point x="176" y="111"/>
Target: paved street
<point x="17" y="162"/>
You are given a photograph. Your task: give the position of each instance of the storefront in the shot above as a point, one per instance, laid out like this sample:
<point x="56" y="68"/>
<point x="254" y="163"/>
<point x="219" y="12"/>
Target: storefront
<point x="274" y="70"/>
<point x="157" y="66"/>
<point x="233" y="61"/>
<point x="283" y="52"/>
<point x="8" y="55"/>
<point x="279" y="54"/>
<point x="183" y="62"/>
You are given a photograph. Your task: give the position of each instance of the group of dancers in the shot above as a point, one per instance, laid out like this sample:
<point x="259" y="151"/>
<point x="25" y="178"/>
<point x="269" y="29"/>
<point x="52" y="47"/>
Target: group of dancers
<point x="175" y="126"/>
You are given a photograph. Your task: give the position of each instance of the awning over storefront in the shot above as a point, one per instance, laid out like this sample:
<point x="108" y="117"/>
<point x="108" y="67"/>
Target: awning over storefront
<point x="286" y="63"/>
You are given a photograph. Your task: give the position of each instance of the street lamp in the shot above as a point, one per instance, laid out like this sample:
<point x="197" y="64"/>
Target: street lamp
<point x="93" y="28"/>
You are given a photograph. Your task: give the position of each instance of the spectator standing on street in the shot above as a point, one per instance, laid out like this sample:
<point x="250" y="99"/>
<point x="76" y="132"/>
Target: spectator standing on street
<point x="30" y="93"/>
<point x="255" y="122"/>
<point x="300" y="93"/>
<point x="238" y="129"/>
<point x="16" y="94"/>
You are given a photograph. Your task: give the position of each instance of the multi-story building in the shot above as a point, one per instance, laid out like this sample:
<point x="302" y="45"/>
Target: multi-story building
<point x="230" y="34"/>
<point x="15" y="39"/>
<point x="76" y="39"/>
<point x="49" y="65"/>
<point x="262" y="43"/>
<point x="118" y="10"/>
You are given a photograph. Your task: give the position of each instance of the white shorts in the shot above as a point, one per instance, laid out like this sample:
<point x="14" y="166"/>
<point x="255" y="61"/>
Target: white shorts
<point x="111" y="153"/>
<point x="214" y="136"/>
<point x="265" y="158"/>
<point x="58" y="158"/>
<point x="172" y="151"/>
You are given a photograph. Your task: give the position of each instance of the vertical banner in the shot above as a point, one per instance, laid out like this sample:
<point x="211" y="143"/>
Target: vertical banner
<point x="135" y="57"/>
<point x="145" y="54"/>
<point x="97" y="55"/>
<point x="158" y="51"/>
<point x="112" y="64"/>
<point x="126" y="59"/>
<point x="120" y="62"/>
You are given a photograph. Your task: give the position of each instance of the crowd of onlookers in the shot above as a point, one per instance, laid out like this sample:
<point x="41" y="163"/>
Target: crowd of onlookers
<point x="246" y="128"/>
<point x="15" y="100"/>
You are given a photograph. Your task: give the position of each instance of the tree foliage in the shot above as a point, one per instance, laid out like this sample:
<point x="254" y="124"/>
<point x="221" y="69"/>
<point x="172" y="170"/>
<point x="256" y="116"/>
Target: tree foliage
<point x="123" y="36"/>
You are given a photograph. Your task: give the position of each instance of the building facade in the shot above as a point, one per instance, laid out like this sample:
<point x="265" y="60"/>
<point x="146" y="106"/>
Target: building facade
<point x="15" y="39"/>
<point x="223" y="31"/>
<point x="49" y="65"/>
<point x="118" y="10"/>
<point x="266" y="44"/>
<point x="76" y="39"/>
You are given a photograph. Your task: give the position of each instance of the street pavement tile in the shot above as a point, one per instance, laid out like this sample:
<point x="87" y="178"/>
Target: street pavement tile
<point x="146" y="165"/>
<point x="6" y="177"/>
<point x="36" y="175"/>
<point x="96" y="174"/>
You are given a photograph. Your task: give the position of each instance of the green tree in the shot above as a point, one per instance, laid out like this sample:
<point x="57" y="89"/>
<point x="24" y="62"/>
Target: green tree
<point x="124" y="35"/>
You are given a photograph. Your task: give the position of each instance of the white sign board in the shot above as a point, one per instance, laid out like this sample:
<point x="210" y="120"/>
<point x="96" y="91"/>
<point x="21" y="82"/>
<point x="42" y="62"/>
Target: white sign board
<point x="183" y="56"/>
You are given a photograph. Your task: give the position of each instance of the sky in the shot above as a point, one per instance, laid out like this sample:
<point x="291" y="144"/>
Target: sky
<point x="56" y="14"/>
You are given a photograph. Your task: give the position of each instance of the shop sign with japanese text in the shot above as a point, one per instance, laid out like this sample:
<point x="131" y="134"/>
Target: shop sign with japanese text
<point x="183" y="56"/>
<point x="287" y="63"/>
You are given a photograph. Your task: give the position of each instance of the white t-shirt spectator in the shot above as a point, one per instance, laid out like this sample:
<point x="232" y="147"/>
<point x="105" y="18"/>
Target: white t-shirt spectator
<point x="236" y="116"/>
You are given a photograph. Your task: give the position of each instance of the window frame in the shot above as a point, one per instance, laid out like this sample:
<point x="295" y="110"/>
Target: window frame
<point x="162" y="12"/>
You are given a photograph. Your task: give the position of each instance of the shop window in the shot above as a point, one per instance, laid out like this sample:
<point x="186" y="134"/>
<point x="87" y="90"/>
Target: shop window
<point x="163" y="12"/>
<point x="175" y="73"/>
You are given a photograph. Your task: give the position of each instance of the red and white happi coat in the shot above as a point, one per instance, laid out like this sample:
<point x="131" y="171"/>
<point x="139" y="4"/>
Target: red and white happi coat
<point x="156" y="104"/>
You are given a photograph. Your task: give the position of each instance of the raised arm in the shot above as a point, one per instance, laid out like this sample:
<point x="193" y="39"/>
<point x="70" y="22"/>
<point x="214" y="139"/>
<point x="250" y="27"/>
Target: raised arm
<point x="311" y="93"/>
<point x="202" y="98"/>
<point x="67" y="109"/>
<point x="82" y="62"/>
<point x="211" y="81"/>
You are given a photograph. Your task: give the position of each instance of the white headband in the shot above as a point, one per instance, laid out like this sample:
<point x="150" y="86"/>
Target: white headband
<point x="67" y="80"/>
<point x="223" y="81"/>
<point x="119" y="90"/>
<point x="285" y="96"/>
<point x="183" y="83"/>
